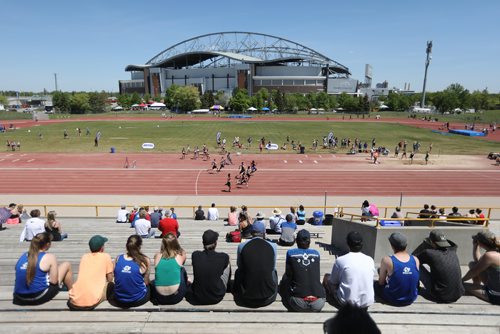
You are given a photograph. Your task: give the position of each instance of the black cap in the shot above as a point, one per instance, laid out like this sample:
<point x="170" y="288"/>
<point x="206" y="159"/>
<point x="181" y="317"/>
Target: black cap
<point x="354" y="239"/>
<point x="210" y="237"/>
<point x="303" y="236"/>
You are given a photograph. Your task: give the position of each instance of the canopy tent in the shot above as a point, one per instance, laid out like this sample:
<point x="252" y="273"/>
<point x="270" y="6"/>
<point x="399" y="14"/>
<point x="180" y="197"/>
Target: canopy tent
<point x="216" y="107"/>
<point x="142" y="105"/>
<point x="158" y="104"/>
<point x="383" y="106"/>
<point x="313" y="109"/>
<point x="134" y="105"/>
<point x="117" y="108"/>
<point x="252" y="109"/>
<point x="265" y="109"/>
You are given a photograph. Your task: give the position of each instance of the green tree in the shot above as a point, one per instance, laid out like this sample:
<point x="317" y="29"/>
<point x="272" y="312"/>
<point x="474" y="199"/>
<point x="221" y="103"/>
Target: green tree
<point x="348" y="102"/>
<point x="170" y="97"/>
<point x="365" y="104"/>
<point x="187" y="98"/>
<point x="61" y="101"/>
<point x="124" y="100"/>
<point x="3" y="100"/>
<point x="240" y="101"/>
<point x="322" y="100"/>
<point x="79" y="103"/>
<point x="479" y="100"/>
<point x="97" y="102"/>
<point x="135" y="98"/>
<point x="207" y="99"/>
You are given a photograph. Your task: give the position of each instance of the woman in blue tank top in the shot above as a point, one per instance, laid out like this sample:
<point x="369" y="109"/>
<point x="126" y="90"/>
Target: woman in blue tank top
<point x="131" y="286"/>
<point x="38" y="276"/>
<point x="399" y="275"/>
<point x="170" y="284"/>
<point x="301" y="215"/>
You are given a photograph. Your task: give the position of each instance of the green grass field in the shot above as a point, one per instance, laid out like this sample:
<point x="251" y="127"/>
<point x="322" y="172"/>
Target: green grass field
<point x="172" y="135"/>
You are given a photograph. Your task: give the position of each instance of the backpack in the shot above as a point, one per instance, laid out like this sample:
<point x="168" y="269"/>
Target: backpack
<point x="234" y="236"/>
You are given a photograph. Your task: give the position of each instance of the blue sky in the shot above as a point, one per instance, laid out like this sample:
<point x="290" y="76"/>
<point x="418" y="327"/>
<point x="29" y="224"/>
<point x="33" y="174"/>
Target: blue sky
<point x="89" y="43"/>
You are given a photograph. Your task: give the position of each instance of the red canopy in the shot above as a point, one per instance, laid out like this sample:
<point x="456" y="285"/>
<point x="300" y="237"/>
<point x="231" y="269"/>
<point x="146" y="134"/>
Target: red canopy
<point x="142" y="105"/>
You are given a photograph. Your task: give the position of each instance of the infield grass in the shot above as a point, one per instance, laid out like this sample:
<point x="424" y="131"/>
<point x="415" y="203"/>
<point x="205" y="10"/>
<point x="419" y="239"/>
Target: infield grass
<point x="172" y="135"/>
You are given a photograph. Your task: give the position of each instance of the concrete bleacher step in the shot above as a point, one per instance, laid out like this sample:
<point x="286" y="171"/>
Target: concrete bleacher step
<point x="467" y="315"/>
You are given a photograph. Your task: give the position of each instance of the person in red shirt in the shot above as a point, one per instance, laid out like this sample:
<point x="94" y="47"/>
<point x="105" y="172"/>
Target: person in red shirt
<point x="169" y="225"/>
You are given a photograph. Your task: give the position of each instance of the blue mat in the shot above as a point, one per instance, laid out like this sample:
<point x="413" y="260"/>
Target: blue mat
<point x="239" y="116"/>
<point x="469" y="133"/>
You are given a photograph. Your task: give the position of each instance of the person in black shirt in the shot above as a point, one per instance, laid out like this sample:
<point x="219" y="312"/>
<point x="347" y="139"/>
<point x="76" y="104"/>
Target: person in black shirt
<point x="211" y="270"/>
<point x="300" y="288"/>
<point x="199" y="214"/>
<point x="443" y="284"/>
<point x="256" y="280"/>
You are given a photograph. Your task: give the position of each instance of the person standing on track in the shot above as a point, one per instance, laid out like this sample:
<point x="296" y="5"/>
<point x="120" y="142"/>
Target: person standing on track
<point x="228" y="182"/>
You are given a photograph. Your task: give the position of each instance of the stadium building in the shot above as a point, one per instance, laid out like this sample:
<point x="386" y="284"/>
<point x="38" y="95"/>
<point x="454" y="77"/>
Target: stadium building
<point x="227" y="60"/>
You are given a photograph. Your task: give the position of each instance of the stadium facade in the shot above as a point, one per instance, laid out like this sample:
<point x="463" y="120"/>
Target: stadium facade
<point x="227" y="60"/>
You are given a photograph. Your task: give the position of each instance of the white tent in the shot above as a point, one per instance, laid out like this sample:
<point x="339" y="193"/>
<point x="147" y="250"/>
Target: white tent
<point x="383" y="106"/>
<point x="157" y="104"/>
<point x="252" y="109"/>
<point x="117" y="108"/>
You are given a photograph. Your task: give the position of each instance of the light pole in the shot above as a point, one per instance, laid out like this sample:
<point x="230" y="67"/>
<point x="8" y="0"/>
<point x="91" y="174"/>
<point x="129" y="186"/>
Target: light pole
<point x="427" y="62"/>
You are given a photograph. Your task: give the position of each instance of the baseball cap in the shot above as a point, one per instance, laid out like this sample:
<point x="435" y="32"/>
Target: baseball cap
<point x="96" y="243"/>
<point x="210" y="237"/>
<point x="354" y="238"/>
<point x="398" y="240"/>
<point x="303" y="236"/>
<point x="438" y="237"/>
<point x="258" y="227"/>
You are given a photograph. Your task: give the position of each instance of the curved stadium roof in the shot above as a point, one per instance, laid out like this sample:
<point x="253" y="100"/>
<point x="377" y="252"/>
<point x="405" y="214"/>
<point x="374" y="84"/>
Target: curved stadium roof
<point x="246" y="47"/>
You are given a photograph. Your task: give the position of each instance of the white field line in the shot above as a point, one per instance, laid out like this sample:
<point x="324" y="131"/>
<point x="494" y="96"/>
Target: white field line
<point x="30" y="160"/>
<point x="15" y="160"/>
<point x="196" y="183"/>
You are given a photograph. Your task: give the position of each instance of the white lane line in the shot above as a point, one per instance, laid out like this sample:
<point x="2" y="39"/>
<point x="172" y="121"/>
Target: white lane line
<point x="30" y="160"/>
<point x="23" y="154"/>
<point x="306" y="156"/>
<point x="196" y="183"/>
<point x="285" y="161"/>
<point x="15" y="160"/>
<point x="8" y="155"/>
<point x="320" y="156"/>
<point x="315" y="161"/>
<point x="300" y="161"/>
<point x="2" y="159"/>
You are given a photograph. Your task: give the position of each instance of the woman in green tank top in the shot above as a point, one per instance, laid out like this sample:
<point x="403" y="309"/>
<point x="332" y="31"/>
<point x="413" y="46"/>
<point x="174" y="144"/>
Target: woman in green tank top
<point x="170" y="284"/>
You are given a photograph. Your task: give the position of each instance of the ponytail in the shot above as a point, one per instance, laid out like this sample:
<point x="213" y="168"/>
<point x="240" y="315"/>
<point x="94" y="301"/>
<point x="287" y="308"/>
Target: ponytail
<point x="134" y="243"/>
<point x="40" y="241"/>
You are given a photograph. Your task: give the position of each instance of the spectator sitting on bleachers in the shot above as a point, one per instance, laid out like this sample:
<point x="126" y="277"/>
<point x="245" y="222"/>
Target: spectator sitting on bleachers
<point x="397" y="213"/>
<point x="351" y="279"/>
<point x="171" y="281"/>
<point x="122" y="215"/>
<point x="5" y="214"/>
<point x="245" y="224"/>
<point x="53" y="227"/>
<point x="365" y="211"/>
<point x="232" y="216"/>
<point x="454" y="212"/>
<point x="94" y="275"/>
<point x="143" y="226"/>
<point x="169" y="225"/>
<point x="275" y="222"/>
<point x="38" y="276"/>
<point x="174" y="215"/>
<point x="33" y="226"/>
<point x="199" y="214"/>
<point x="425" y="212"/>
<point x="301" y="215"/>
<point x="132" y="214"/>
<point x="399" y="275"/>
<point x="485" y="269"/>
<point x="131" y="286"/>
<point x="213" y="213"/>
<point x="471" y="214"/>
<point x="156" y="217"/>
<point x="256" y="280"/>
<point x="480" y="215"/>
<point x="300" y="288"/>
<point x="136" y="216"/>
<point x="288" y="229"/>
<point x="212" y="272"/>
<point x="443" y="283"/>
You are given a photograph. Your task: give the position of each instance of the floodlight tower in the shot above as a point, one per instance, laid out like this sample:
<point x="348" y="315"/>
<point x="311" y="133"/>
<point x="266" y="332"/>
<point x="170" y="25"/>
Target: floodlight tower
<point x="427" y="62"/>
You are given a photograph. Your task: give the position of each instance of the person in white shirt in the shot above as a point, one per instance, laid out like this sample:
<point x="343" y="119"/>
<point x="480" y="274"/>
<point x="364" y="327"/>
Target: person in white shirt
<point x="213" y="213"/>
<point x="34" y="225"/>
<point x="275" y="222"/>
<point x="351" y="280"/>
<point x="143" y="226"/>
<point x="122" y="215"/>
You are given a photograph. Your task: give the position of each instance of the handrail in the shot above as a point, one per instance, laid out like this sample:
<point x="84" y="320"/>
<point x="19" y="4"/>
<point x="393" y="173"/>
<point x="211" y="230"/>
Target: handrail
<point x="484" y="221"/>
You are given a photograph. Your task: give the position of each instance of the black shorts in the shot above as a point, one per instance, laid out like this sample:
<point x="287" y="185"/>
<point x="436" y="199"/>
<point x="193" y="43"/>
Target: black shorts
<point x="37" y="298"/>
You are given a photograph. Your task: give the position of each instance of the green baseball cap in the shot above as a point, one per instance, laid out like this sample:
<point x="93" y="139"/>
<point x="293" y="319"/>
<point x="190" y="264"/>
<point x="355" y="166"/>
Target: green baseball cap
<point x="96" y="243"/>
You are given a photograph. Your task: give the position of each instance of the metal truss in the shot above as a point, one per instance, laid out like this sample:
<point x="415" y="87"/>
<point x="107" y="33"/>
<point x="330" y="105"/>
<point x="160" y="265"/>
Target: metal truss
<point x="266" y="48"/>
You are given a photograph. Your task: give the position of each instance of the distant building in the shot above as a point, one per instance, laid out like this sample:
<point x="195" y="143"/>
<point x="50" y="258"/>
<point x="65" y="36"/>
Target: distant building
<point x="228" y="60"/>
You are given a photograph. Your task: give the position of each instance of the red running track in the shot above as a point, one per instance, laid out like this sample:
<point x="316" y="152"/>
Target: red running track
<point x="166" y="174"/>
